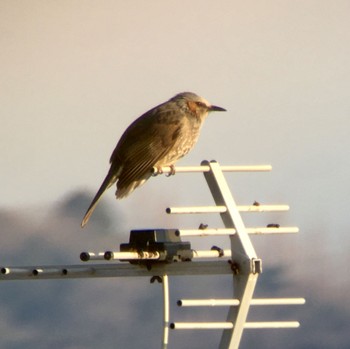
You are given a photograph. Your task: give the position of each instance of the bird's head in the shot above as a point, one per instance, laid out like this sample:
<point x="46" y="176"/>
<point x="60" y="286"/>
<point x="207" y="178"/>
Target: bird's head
<point x="195" y="104"/>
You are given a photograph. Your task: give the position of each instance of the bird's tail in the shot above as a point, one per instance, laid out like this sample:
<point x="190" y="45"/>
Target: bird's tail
<point x="110" y="179"/>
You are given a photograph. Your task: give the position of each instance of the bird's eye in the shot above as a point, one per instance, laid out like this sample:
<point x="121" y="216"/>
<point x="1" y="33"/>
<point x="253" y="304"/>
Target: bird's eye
<point x="201" y="104"/>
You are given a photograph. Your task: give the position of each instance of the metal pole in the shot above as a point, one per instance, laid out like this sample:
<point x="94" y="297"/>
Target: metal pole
<point x="245" y="276"/>
<point x="165" y="312"/>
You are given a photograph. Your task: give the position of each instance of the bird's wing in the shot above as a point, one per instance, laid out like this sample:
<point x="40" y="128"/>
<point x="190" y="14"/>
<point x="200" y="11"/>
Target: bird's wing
<point x="149" y="139"/>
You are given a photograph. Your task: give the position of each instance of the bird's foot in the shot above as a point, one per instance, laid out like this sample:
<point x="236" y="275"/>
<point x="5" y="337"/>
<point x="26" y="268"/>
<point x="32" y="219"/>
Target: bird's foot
<point x="172" y="171"/>
<point x="157" y="170"/>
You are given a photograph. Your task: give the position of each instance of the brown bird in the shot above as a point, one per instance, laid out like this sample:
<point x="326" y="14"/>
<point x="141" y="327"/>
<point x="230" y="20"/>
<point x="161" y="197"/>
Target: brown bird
<point x="157" y="138"/>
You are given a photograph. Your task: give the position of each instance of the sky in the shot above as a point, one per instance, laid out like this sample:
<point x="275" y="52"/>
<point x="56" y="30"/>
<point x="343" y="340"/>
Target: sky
<point x="75" y="74"/>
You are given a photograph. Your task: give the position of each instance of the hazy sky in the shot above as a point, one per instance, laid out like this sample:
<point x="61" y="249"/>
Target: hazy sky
<point x="74" y="74"/>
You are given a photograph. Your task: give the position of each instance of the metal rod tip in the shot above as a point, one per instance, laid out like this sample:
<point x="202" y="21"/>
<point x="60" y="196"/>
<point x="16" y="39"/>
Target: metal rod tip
<point x="5" y="271"/>
<point x="84" y="256"/>
<point x="108" y="255"/>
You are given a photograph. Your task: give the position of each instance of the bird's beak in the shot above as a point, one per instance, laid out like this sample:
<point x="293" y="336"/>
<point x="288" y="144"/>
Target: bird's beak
<point x="215" y="108"/>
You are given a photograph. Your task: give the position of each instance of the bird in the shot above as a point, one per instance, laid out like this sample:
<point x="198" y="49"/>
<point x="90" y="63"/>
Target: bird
<point x="158" y="138"/>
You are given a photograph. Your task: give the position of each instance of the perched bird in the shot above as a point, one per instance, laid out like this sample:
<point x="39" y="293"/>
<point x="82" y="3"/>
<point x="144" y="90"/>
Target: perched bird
<point x="157" y="138"/>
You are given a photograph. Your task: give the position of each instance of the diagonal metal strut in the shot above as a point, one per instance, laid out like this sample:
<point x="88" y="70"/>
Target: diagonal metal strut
<point x="246" y="265"/>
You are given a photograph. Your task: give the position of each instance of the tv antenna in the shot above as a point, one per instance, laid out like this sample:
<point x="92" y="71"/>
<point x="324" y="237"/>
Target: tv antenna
<point x="153" y="253"/>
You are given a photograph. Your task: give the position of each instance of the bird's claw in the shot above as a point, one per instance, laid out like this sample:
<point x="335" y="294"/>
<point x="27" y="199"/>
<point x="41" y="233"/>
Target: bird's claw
<point x="157" y="170"/>
<point x="172" y="171"/>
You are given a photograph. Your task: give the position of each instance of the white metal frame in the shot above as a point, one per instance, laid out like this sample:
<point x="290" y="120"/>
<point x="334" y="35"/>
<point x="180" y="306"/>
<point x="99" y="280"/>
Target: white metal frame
<point x="244" y="266"/>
